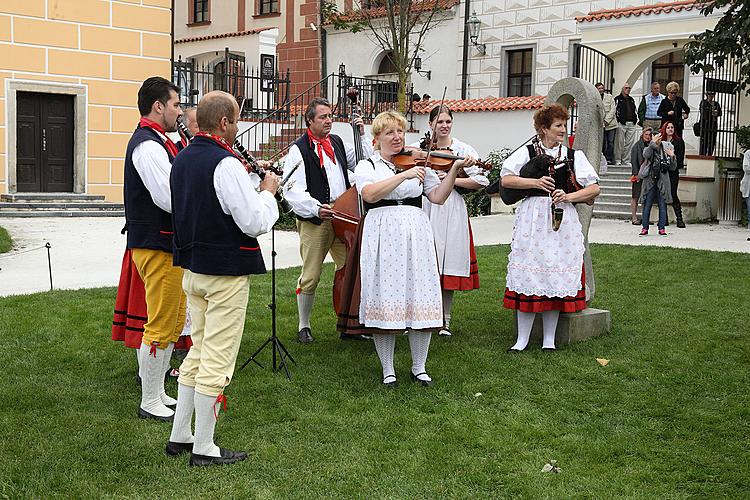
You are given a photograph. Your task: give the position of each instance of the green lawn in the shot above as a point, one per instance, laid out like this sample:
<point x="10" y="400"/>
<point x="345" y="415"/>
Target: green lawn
<point x="6" y="243"/>
<point x="667" y="418"/>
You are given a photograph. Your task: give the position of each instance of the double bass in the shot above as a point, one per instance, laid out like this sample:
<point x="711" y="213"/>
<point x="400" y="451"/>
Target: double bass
<point x="349" y="208"/>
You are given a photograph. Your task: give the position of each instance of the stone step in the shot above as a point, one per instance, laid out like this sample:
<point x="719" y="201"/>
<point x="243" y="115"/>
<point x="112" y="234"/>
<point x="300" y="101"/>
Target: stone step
<point x="56" y="205"/>
<point x="618" y="169"/>
<point x="610" y="214"/>
<point x="609" y="181"/>
<point x="617" y="176"/>
<point x="58" y="197"/>
<point x="611" y="207"/>
<point x="61" y="213"/>
<point x="608" y="197"/>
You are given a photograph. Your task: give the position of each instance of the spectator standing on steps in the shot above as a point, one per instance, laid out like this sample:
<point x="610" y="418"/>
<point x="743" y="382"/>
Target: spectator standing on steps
<point x="648" y="115"/>
<point x="625" y="112"/>
<point x="610" y="124"/>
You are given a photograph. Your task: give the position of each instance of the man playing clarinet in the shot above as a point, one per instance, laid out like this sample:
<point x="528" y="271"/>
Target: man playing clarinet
<point x="217" y="215"/>
<point x="312" y="195"/>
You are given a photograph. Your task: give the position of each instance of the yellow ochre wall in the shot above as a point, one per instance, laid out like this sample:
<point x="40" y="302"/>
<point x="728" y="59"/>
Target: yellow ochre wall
<point x="108" y="46"/>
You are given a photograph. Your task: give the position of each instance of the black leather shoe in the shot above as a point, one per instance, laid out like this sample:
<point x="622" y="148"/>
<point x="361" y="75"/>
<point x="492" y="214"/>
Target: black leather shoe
<point x="393" y="382"/>
<point x="513" y="351"/>
<point x="227" y="457"/>
<point x="173" y="449"/>
<point x="144" y="414"/>
<point x="304" y="336"/>
<point x="549" y="349"/>
<point x="359" y="336"/>
<point x="425" y="383"/>
<point x="681" y="224"/>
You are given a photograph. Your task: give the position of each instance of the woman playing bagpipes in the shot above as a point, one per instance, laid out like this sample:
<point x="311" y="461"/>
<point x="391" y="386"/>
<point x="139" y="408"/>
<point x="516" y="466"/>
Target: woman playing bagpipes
<point x="545" y="265"/>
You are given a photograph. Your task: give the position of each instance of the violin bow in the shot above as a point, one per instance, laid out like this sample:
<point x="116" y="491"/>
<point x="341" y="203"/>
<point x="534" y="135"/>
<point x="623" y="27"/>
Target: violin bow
<point x="434" y="128"/>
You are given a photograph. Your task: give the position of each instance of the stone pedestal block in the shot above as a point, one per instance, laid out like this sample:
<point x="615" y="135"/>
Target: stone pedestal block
<point x="572" y="327"/>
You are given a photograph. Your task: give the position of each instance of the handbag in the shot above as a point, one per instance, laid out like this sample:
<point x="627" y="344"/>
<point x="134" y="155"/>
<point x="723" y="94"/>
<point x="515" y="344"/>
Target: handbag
<point x="697" y="129"/>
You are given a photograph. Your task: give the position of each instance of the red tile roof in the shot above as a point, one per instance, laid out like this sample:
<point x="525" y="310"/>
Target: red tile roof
<point x="377" y="12"/>
<point x="645" y="10"/>
<point x="483" y="104"/>
<point x="221" y="35"/>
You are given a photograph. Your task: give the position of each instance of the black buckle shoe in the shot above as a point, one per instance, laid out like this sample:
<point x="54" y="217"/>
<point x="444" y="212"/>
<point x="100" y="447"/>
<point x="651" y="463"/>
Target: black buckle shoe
<point x="304" y="336"/>
<point x="144" y="414"/>
<point x="358" y="336"/>
<point x="393" y="382"/>
<point x="415" y="378"/>
<point x="173" y="449"/>
<point x="226" y="457"/>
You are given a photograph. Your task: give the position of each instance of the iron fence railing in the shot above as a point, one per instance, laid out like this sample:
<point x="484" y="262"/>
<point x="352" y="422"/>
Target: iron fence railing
<point x="258" y="93"/>
<point x="270" y="136"/>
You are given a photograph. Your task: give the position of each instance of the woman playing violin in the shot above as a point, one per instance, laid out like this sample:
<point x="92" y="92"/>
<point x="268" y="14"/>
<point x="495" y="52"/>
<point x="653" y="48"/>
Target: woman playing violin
<point x="400" y="285"/>
<point x="545" y="265"/>
<point x="457" y="260"/>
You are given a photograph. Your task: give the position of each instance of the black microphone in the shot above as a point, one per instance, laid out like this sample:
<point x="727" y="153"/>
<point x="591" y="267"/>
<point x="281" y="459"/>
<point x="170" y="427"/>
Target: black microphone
<point x="260" y="172"/>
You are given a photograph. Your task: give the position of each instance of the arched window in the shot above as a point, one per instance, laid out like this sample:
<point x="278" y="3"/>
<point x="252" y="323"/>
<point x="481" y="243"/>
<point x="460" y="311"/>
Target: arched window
<point x="386" y="64"/>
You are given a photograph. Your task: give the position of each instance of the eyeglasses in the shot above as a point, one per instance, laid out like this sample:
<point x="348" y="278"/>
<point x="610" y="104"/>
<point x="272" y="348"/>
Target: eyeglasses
<point x="673" y="93"/>
<point x="626" y="87"/>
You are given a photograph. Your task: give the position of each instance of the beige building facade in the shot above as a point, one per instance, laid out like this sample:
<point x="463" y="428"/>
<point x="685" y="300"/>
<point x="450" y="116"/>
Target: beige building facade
<point x="70" y="71"/>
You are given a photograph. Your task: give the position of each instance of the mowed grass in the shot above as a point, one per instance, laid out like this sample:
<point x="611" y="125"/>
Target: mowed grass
<point x="668" y="417"/>
<point x="6" y="243"/>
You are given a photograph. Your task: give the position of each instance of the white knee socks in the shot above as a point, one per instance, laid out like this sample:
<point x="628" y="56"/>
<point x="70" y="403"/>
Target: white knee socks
<point x="182" y="431"/>
<point x="549" y="319"/>
<point x="385" y="345"/>
<point x="152" y="382"/>
<point x="525" y="323"/>
<point x="168" y="401"/>
<point x="419" y="342"/>
<point x="447" y="305"/>
<point x="205" y="423"/>
<point x="304" y="309"/>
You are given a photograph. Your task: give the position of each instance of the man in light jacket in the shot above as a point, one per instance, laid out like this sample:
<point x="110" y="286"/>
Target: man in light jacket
<point x="610" y="124"/>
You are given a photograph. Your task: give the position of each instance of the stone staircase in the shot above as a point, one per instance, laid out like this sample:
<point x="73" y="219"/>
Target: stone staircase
<point x="614" y="200"/>
<point x="58" y="205"/>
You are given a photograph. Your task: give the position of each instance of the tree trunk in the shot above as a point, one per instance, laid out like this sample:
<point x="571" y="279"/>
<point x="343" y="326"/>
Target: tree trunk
<point x="402" y="86"/>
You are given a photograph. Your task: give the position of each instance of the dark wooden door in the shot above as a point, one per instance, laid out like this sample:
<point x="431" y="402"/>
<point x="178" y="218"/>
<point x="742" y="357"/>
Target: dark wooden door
<point x="44" y="142"/>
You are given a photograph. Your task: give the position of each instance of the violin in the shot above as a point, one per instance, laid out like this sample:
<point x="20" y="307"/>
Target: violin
<point x="436" y="160"/>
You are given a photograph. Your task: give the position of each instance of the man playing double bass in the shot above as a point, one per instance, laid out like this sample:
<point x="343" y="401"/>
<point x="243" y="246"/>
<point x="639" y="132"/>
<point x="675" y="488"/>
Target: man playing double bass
<point x="312" y="194"/>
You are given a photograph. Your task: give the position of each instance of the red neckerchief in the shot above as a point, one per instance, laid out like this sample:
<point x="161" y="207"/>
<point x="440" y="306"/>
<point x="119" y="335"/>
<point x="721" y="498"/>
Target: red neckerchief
<point x="171" y="146"/>
<point x="222" y="143"/>
<point x="323" y="146"/>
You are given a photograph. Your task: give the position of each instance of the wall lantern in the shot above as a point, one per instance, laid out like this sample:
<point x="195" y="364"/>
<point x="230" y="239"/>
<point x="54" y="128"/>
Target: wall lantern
<point x="418" y="67"/>
<point x="342" y="69"/>
<point x="473" y="24"/>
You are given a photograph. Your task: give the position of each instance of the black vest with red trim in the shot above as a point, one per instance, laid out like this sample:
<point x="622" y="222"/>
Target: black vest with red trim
<point x="147" y="225"/>
<point x="317" y="180"/>
<point x="206" y="240"/>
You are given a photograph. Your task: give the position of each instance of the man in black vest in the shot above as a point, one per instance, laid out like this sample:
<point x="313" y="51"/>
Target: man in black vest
<point x="148" y="161"/>
<point x="312" y="193"/>
<point x="217" y="214"/>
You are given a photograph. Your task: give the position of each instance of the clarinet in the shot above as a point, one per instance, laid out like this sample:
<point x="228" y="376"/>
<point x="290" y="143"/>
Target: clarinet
<point x="184" y="130"/>
<point x="260" y="172"/>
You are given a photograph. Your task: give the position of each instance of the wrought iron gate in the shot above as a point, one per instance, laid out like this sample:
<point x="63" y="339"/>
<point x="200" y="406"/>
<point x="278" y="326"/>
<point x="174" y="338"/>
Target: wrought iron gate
<point x="716" y="135"/>
<point x="594" y="67"/>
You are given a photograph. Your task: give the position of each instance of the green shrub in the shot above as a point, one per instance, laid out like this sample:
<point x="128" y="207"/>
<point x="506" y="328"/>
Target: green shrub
<point x="478" y="202"/>
<point x="743" y="136"/>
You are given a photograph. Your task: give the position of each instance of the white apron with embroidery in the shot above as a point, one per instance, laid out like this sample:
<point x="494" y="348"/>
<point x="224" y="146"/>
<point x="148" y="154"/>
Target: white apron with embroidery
<point x="450" y="221"/>
<point x="400" y="285"/>
<point x="542" y="261"/>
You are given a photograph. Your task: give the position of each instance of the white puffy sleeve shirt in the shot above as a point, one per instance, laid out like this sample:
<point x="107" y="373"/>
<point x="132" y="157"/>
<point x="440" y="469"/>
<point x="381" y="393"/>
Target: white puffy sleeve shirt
<point x="254" y="212"/>
<point x="296" y="192"/>
<point x="367" y="173"/>
<point x="152" y="164"/>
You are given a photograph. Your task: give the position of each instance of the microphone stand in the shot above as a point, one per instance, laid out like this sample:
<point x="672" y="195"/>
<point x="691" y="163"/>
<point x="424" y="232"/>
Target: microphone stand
<point x="277" y="347"/>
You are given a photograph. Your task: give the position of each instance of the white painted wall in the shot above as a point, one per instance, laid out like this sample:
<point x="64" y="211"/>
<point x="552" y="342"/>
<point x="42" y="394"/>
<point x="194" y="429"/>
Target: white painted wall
<point x="361" y="55"/>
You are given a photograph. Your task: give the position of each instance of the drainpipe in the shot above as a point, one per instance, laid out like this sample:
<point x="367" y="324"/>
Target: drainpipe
<point x="465" y="57"/>
<point x="323" y="42"/>
<point x="171" y="37"/>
